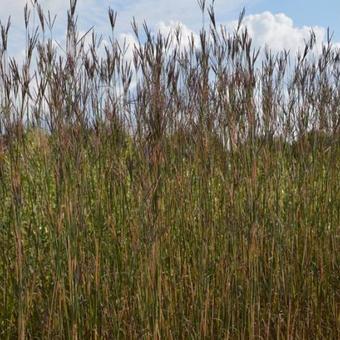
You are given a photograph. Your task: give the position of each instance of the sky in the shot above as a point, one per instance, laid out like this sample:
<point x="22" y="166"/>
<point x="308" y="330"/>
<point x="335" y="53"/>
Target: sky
<point x="277" y="24"/>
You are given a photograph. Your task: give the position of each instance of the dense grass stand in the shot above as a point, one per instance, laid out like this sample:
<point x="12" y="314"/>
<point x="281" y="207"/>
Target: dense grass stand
<point x="188" y="191"/>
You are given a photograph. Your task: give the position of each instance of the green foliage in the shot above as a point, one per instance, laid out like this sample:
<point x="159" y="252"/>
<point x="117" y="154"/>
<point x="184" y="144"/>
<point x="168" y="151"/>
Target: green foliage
<point x="181" y="209"/>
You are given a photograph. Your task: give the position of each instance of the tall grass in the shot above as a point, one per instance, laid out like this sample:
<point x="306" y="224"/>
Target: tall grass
<point x="192" y="192"/>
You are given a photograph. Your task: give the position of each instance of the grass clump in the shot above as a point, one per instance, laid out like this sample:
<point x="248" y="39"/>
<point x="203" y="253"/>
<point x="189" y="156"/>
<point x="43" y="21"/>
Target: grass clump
<point x="191" y="192"/>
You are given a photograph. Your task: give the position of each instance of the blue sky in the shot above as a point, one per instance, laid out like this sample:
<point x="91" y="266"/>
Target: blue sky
<point x="276" y="23"/>
<point x="305" y="12"/>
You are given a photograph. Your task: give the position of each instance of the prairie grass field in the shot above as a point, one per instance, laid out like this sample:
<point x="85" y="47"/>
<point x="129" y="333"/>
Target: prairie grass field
<point x="191" y="191"/>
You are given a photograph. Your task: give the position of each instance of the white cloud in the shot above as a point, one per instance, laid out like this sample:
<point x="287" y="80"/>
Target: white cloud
<point x="186" y="34"/>
<point x="278" y="32"/>
<point x="274" y="31"/>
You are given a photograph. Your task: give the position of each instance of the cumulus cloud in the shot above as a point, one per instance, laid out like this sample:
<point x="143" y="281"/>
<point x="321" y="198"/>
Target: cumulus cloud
<point x="170" y="28"/>
<point x="278" y="32"/>
<point x="268" y="30"/>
